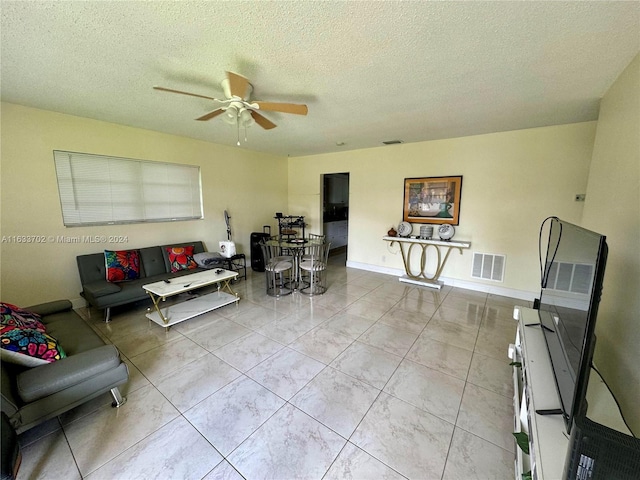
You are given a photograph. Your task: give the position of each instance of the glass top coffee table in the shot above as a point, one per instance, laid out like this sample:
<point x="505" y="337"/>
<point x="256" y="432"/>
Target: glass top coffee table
<point x="179" y="312"/>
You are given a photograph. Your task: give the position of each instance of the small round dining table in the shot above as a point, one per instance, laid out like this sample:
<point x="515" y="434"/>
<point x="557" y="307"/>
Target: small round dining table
<point x="295" y="247"/>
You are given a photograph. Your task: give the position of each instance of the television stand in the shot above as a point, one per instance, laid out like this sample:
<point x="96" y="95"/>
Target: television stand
<point x="535" y="394"/>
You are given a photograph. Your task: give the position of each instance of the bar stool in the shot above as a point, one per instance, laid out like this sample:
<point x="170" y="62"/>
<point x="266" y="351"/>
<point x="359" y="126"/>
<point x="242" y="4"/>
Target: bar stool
<point x="315" y="266"/>
<point x="276" y="270"/>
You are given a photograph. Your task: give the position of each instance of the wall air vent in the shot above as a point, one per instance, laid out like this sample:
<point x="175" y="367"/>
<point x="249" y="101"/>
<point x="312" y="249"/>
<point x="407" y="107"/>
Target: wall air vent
<point x="392" y="142"/>
<point x="488" y="266"/>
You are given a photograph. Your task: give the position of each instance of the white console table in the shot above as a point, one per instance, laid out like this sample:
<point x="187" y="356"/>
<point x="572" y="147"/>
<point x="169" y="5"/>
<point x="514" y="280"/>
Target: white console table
<point x="419" y="276"/>
<point x="534" y="389"/>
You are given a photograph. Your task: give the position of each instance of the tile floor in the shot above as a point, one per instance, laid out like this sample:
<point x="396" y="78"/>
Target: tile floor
<point x="376" y="379"/>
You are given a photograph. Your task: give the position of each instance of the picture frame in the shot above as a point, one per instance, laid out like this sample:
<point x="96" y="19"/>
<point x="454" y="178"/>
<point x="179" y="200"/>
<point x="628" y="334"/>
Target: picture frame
<point x="433" y="200"/>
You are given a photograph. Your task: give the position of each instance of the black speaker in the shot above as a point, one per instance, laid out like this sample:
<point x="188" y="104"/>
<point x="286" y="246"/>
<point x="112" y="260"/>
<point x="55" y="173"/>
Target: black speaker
<point x="257" y="259"/>
<point x="597" y="452"/>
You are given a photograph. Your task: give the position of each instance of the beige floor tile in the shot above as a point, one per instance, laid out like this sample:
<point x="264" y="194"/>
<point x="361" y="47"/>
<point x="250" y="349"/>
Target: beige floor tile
<point x="356" y="464"/>
<point x="224" y="471"/>
<point x="430" y="390"/>
<point x="218" y="334"/>
<point x="101" y="436"/>
<point x="492" y="374"/>
<point x="176" y="450"/>
<point x="248" y="351"/>
<point x="322" y="344"/>
<point x="336" y="400"/>
<point x="487" y="415"/>
<point x="289" y="445"/>
<point x="472" y="457"/>
<point x="413" y="322"/>
<point x="390" y="339"/>
<point x="234" y="412"/>
<point x="368" y="364"/>
<point x="440" y="356"/>
<point x="196" y="381"/>
<point x="348" y="324"/>
<point x="168" y="358"/>
<point x="47" y="458"/>
<point x="286" y="372"/>
<point x="451" y="333"/>
<point x="409" y="440"/>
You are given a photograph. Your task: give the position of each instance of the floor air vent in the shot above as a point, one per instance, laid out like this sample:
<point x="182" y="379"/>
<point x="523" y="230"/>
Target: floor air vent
<point x="488" y="266"/>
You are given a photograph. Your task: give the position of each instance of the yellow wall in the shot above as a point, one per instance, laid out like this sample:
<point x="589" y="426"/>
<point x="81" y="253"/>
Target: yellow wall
<point x="613" y="209"/>
<point x="511" y="182"/>
<point x="250" y="185"/>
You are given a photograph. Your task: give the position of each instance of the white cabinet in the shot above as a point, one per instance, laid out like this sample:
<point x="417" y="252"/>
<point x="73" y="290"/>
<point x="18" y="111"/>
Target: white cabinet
<point x="535" y="390"/>
<point x="337" y="233"/>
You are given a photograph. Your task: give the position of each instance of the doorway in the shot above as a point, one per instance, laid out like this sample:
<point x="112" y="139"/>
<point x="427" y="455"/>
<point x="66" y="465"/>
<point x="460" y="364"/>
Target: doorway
<point x="335" y="214"/>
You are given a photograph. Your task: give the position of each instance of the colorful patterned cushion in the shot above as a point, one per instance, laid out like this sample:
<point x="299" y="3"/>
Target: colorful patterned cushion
<point x="122" y="265"/>
<point x="19" y="317"/>
<point x="29" y="347"/>
<point x="181" y="258"/>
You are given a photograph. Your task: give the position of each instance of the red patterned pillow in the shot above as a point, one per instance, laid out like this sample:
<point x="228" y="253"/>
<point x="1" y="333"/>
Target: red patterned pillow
<point x="122" y="265"/>
<point x="181" y="258"/>
<point x="19" y="317"/>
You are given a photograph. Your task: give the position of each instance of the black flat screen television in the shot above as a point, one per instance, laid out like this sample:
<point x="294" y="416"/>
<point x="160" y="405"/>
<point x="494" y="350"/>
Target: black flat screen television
<point x="572" y="272"/>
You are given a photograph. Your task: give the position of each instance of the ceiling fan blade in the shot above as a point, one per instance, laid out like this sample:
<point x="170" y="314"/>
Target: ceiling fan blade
<point x="185" y="93"/>
<point x="210" y="115"/>
<point x="237" y="84"/>
<point x="283" y="107"/>
<point x="262" y="121"/>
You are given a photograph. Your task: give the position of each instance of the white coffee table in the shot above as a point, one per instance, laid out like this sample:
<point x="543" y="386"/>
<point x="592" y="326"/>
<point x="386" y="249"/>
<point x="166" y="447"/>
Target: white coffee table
<point x="179" y="312"/>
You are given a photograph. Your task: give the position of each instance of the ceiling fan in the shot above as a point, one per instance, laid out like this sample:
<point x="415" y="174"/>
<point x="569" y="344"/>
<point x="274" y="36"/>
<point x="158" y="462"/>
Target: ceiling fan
<point x="237" y="108"/>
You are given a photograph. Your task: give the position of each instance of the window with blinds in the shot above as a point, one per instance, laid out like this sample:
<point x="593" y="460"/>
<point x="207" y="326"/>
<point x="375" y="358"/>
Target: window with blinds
<point x="99" y="190"/>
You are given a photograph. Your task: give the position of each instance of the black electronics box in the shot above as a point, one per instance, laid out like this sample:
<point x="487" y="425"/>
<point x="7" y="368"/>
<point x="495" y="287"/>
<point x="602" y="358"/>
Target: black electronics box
<point x="599" y="452"/>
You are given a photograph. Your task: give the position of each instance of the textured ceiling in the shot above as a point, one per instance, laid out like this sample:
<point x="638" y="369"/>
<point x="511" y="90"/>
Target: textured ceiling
<point x="369" y="71"/>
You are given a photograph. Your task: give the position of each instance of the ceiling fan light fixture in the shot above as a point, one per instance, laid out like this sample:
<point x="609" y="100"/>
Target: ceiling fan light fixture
<point x="231" y="115"/>
<point x="236" y="109"/>
<point x="244" y="117"/>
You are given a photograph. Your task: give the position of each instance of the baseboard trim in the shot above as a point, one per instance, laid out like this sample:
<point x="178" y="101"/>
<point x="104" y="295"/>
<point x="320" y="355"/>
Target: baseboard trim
<point x="78" y="302"/>
<point x="453" y="282"/>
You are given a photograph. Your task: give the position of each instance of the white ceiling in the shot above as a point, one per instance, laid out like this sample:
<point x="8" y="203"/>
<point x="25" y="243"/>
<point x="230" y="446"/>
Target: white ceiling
<point x="369" y="71"/>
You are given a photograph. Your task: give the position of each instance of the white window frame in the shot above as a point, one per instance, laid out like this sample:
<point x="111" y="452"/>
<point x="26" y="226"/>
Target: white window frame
<point x="104" y="190"/>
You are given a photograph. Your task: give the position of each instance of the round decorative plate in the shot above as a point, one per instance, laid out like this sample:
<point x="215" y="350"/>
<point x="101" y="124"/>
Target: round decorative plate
<point x="404" y="229"/>
<point x="445" y="232"/>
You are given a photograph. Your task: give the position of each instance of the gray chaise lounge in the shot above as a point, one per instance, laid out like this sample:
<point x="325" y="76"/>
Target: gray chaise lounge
<point x="31" y="395"/>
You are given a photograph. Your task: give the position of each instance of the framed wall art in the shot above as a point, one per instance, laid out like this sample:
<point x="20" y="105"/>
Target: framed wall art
<point x="432" y="200"/>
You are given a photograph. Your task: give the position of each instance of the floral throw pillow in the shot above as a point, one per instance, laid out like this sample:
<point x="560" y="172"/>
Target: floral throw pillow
<point x="181" y="258"/>
<point x="122" y="265"/>
<point x="11" y="315"/>
<point x="29" y="347"/>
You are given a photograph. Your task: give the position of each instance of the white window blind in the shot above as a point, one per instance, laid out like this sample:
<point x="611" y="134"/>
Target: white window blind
<point x="98" y="190"/>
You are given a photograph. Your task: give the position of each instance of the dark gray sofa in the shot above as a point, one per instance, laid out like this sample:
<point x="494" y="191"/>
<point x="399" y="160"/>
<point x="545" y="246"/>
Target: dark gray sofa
<point x="31" y="395"/>
<point x="154" y="266"/>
